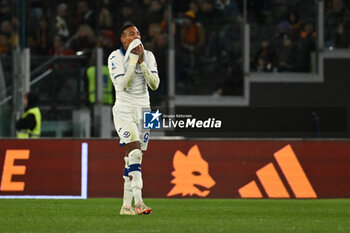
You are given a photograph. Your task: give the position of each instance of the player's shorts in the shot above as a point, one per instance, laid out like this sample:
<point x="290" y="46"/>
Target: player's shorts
<point x="128" y="122"/>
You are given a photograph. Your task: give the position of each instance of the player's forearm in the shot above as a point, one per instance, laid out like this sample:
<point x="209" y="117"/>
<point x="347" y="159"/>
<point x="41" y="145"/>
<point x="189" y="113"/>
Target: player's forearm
<point x="152" y="79"/>
<point x="126" y="80"/>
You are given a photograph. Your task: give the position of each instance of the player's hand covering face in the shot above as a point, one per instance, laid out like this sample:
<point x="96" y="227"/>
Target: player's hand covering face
<point x="138" y="50"/>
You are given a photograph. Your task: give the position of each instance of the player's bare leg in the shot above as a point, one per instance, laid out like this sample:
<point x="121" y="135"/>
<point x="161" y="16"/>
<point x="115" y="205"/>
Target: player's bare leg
<point x="135" y="159"/>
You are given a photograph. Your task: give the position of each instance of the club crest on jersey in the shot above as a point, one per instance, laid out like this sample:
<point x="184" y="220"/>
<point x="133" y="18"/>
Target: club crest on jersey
<point x="113" y="66"/>
<point x="126" y="134"/>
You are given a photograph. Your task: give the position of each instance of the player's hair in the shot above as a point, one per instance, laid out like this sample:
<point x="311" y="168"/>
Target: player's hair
<point x="125" y="26"/>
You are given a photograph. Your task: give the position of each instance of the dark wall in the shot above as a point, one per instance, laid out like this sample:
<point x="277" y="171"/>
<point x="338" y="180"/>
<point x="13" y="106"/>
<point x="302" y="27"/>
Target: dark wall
<point x="333" y="92"/>
<point x="302" y="110"/>
<point x="331" y="99"/>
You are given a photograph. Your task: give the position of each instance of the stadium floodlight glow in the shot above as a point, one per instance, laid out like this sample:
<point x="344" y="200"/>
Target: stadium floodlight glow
<point x="84" y="182"/>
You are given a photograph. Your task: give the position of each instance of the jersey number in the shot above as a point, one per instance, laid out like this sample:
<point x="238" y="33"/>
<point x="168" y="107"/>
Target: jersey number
<point x="145" y="137"/>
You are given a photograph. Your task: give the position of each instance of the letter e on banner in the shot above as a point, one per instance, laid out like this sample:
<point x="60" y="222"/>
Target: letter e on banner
<point x="11" y="169"/>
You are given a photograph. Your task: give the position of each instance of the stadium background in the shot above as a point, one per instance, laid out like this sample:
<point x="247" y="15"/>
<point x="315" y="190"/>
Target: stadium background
<point x="276" y="72"/>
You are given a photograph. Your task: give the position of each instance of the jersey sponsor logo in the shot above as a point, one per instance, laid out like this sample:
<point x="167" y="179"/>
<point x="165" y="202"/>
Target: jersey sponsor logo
<point x="272" y="183"/>
<point x="152" y="120"/>
<point x="190" y="173"/>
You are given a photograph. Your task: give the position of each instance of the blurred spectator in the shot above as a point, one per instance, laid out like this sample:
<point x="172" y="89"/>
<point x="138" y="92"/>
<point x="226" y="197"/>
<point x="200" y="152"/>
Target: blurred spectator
<point x="291" y="25"/>
<point x="337" y="22"/>
<point x="154" y="31"/>
<point x="5" y="10"/>
<point x="154" y="12"/>
<point x="286" y="57"/>
<point x="328" y="6"/>
<point x="130" y="12"/>
<point x="206" y="13"/>
<point x="161" y="45"/>
<point x="42" y="37"/>
<point x="164" y="23"/>
<point x="340" y="37"/>
<point x="161" y="53"/>
<point x="7" y="38"/>
<point x="192" y="40"/>
<point x="84" y="41"/>
<point x="192" y="35"/>
<point x="308" y="31"/>
<point x="105" y="19"/>
<point x="106" y="40"/>
<point x="59" y="48"/>
<point x="264" y="58"/>
<point x="60" y="23"/>
<point x="84" y="15"/>
<point x="4" y="44"/>
<point x="29" y="126"/>
<point x="6" y="27"/>
<point x="108" y="88"/>
<point x="193" y="7"/>
<point x="228" y="9"/>
<point x="295" y="25"/>
<point x="13" y="34"/>
<point x="305" y="45"/>
<point x="35" y="12"/>
<point x="262" y="65"/>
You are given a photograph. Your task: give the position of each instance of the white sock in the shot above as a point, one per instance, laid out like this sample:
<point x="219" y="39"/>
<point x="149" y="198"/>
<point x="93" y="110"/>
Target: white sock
<point x="137" y="195"/>
<point x="128" y="193"/>
<point x="135" y="160"/>
<point x="136" y="189"/>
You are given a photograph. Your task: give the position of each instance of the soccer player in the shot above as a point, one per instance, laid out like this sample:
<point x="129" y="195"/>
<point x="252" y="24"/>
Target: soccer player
<point x="132" y="69"/>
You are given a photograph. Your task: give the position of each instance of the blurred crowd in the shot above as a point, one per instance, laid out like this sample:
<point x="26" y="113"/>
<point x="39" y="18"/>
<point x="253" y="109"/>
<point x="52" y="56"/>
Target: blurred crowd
<point x="289" y="44"/>
<point x="55" y="28"/>
<point x="206" y="31"/>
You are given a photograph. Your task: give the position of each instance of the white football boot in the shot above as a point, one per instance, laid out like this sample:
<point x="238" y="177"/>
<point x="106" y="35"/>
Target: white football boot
<point x="127" y="210"/>
<point x="142" y="209"/>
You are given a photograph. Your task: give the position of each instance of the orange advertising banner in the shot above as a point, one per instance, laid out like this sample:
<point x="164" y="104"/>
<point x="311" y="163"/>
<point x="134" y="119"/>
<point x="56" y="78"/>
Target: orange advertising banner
<point x="48" y="168"/>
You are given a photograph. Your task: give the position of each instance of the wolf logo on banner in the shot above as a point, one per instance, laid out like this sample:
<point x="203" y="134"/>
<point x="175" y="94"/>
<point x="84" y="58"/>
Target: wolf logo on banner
<point x="190" y="171"/>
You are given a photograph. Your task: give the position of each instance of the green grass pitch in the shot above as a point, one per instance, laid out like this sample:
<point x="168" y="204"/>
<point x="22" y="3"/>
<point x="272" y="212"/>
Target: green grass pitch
<point x="176" y="215"/>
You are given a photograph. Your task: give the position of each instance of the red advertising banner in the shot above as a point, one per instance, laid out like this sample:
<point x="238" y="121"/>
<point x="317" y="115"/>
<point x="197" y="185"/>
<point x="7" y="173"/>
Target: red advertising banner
<point x="40" y="168"/>
<point x="177" y="168"/>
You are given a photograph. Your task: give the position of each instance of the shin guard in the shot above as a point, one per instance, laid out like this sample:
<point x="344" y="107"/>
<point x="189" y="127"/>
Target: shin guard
<point x="128" y="194"/>
<point x="135" y="160"/>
